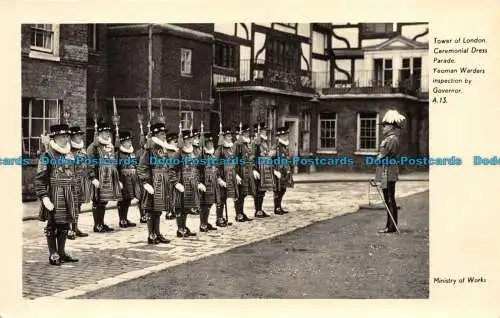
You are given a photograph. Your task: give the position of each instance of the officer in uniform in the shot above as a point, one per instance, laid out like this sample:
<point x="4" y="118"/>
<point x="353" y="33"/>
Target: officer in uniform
<point x="158" y="176"/>
<point x="144" y="193"/>
<point x="229" y="178"/>
<point x="55" y="185"/>
<point x="104" y="176"/>
<point x="127" y="163"/>
<point x="283" y="177"/>
<point x="83" y="185"/>
<point x="245" y="171"/>
<point x="262" y="168"/>
<point x="190" y="197"/>
<point x="210" y="177"/>
<point x="387" y="175"/>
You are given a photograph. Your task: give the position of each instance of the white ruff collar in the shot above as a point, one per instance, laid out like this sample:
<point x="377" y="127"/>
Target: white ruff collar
<point x="263" y="137"/>
<point x="188" y="149"/>
<point x="227" y="144"/>
<point x="209" y="151"/>
<point x="127" y="150"/>
<point x="58" y="148"/>
<point x="77" y="145"/>
<point x="163" y="144"/>
<point x="104" y="141"/>
<point x="245" y="139"/>
<point x="283" y="142"/>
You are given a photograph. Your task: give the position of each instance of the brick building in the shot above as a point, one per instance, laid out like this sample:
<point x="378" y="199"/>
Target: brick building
<point x="329" y="83"/>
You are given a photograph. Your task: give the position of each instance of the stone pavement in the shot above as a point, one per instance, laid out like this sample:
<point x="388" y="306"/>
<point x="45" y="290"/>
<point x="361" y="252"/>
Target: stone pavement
<point x="110" y="258"/>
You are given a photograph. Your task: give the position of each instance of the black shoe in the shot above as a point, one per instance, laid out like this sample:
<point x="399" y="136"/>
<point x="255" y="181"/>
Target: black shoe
<point x="107" y="228"/>
<point x="210" y="227"/>
<point x="203" y="228"/>
<point x="189" y="233"/>
<point x="99" y="229"/>
<point x="278" y="211"/>
<point x="240" y="218"/>
<point x="80" y="233"/>
<point x="153" y="239"/>
<point x="54" y="259"/>
<point x="130" y="224"/>
<point x="261" y="214"/>
<point x="123" y="224"/>
<point x="284" y="211"/>
<point x="221" y="222"/>
<point x="71" y="235"/>
<point x="161" y="239"/>
<point x="169" y="216"/>
<point x="65" y="258"/>
<point x="143" y="219"/>
<point x="182" y="233"/>
<point x="387" y="230"/>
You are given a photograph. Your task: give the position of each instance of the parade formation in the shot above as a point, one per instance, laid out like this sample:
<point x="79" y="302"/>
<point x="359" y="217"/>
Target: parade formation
<point x="174" y="190"/>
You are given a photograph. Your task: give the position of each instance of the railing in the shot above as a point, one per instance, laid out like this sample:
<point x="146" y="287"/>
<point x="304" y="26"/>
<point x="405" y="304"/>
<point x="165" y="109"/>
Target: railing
<point x="370" y="82"/>
<point x="263" y="74"/>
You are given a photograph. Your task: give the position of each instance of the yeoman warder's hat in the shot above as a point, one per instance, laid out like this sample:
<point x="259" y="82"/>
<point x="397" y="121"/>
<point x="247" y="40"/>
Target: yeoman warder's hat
<point x="60" y="129"/>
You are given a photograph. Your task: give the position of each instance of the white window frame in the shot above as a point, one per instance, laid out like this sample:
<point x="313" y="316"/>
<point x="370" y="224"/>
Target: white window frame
<point x="327" y="150"/>
<point x="186" y="64"/>
<point x="52" y="53"/>
<point x="384" y="69"/>
<point x="187" y="116"/>
<point x="30" y="117"/>
<point x="367" y="152"/>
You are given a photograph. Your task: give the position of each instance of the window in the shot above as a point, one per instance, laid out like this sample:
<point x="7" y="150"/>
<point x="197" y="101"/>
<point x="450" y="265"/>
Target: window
<point x="93" y="37"/>
<point x="283" y="55"/>
<point x="37" y="117"/>
<point x="225" y="55"/>
<point x="327" y="131"/>
<point x="410" y="75"/>
<point x="377" y="28"/>
<point x="367" y="132"/>
<point x="186" y="56"/>
<point x="186" y="120"/>
<point x="383" y="72"/>
<point x="306" y="123"/>
<point x="44" y="41"/>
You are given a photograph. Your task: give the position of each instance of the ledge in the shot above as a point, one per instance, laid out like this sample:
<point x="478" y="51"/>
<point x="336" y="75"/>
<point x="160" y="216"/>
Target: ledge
<point x="326" y="152"/>
<point x="366" y="153"/>
<point x="44" y="56"/>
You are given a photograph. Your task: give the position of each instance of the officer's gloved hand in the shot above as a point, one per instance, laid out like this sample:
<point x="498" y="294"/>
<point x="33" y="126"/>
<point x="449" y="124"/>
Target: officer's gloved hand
<point x="179" y="187"/>
<point x="277" y="174"/>
<point x="238" y="179"/>
<point x="256" y="174"/>
<point x="202" y="187"/>
<point x="221" y="183"/>
<point x="95" y="182"/>
<point x="47" y="203"/>
<point x="149" y="188"/>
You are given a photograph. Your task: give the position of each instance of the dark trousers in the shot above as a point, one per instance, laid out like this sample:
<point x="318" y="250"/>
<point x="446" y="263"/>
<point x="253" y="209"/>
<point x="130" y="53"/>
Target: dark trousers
<point x="390" y="200"/>
<point x="153" y="220"/>
<point x="278" y="198"/>
<point x="205" y="212"/>
<point x="98" y="212"/>
<point x="239" y="204"/>
<point x="258" y="200"/>
<point x="123" y="207"/>
<point x="56" y="235"/>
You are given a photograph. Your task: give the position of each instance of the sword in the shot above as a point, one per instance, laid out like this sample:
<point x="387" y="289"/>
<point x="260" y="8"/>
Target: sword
<point x="374" y="184"/>
<point x="95" y="115"/>
<point x="180" y="144"/>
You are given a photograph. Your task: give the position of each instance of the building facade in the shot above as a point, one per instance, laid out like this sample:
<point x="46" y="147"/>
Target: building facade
<point x="330" y="84"/>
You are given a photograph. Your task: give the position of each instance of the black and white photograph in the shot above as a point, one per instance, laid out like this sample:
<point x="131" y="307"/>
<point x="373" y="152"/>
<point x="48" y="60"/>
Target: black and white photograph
<point x="225" y="160"/>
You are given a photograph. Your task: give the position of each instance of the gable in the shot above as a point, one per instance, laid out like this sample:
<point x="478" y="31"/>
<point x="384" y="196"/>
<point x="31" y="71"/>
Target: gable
<point x="399" y="42"/>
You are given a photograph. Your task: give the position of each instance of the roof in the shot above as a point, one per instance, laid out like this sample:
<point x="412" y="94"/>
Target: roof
<point x="398" y="43"/>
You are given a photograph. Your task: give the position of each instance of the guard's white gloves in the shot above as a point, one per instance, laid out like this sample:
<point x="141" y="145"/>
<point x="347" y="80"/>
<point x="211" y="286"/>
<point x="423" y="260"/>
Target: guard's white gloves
<point x="47" y="203"/>
<point x="148" y="188"/>
<point x="238" y="179"/>
<point x="95" y="182"/>
<point x="179" y="187"/>
<point x="202" y="187"/>
<point x="277" y="174"/>
<point x="221" y="183"/>
<point x="121" y="185"/>
<point x="256" y="175"/>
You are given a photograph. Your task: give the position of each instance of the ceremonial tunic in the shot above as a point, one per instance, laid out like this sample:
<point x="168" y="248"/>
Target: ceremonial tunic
<point x="228" y="172"/>
<point x="209" y="174"/>
<point x="286" y="180"/>
<point x="105" y="172"/>
<point x="389" y="148"/>
<point x="190" y="180"/>
<point x="56" y="180"/>
<point x="263" y="165"/>
<point x="84" y="186"/>
<point x="245" y="169"/>
<point x="128" y="175"/>
<point x="159" y="167"/>
<point x="143" y="192"/>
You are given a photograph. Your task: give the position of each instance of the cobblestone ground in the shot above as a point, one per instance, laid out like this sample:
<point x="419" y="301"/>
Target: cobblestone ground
<point x="111" y="258"/>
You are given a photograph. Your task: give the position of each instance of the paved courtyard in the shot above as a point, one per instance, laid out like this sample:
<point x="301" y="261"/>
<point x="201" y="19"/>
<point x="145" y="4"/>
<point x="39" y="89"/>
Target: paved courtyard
<point x="122" y="255"/>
